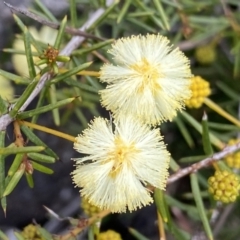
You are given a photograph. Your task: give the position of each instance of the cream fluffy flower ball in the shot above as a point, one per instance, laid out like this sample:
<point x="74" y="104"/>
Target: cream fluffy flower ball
<point x="150" y="80"/>
<point x="120" y="162"/>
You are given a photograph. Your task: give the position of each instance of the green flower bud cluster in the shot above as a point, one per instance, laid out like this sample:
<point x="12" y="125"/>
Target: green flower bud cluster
<point x="88" y="208"/>
<point x="206" y="54"/>
<point x="30" y="232"/>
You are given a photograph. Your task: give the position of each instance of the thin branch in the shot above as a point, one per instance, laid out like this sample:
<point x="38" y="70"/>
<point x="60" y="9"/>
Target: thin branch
<point x="222" y="220"/>
<point x="230" y="17"/>
<point x="70" y="30"/>
<point x="204" y="163"/>
<point x="72" y="45"/>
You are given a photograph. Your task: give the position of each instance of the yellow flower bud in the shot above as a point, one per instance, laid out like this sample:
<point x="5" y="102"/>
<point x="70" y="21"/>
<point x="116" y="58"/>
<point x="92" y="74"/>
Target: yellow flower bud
<point x="224" y="186"/>
<point x="109" y="235"/>
<point x="30" y="232"/>
<point x="88" y="208"/>
<point x="200" y="90"/>
<point x="206" y="54"/>
<point x="233" y="160"/>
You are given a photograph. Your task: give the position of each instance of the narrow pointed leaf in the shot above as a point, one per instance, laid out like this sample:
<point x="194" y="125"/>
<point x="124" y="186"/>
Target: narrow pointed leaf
<point x="236" y="71"/>
<point x="40" y="102"/>
<point x="153" y="17"/>
<point x="44" y="233"/>
<point x="14" y="180"/>
<point x="192" y="159"/>
<point x="92" y="48"/>
<point x="41" y="157"/>
<point x="41" y="62"/>
<point x="161" y="204"/>
<point x="71" y="72"/>
<point x="29" y="56"/>
<point x="214" y="140"/>
<point x="20" y="52"/>
<point x="41" y="168"/>
<point x="24" y="97"/>
<point x="15" y="78"/>
<point x="3" y="236"/>
<point x="162" y="13"/>
<point x="15" y="165"/>
<point x="233" y="94"/>
<point x="46" y="12"/>
<point x="60" y="33"/>
<point x="205" y="136"/>
<point x="137" y="234"/>
<point x="55" y="68"/>
<point x="184" y="131"/>
<point x="19" y="236"/>
<point x="2" y="171"/>
<point x="91" y="233"/>
<point x="46" y="108"/>
<point x="73" y="13"/>
<point x="173" y="165"/>
<point x="35" y="139"/>
<point x="16" y="150"/>
<point x="189" y="209"/>
<point x="29" y="180"/>
<point x="223" y="126"/>
<point x="81" y="117"/>
<point x="3" y="106"/>
<point x="53" y="101"/>
<point x="19" y="22"/>
<point x="124" y="10"/>
<point x="22" y="27"/>
<point x="63" y="58"/>
<point x="81" y="86"/>
<point x="178" y="233"/>
<point x="200" y="206"/>
<point x="141" y="24"/>
<point x="104" y="15"/>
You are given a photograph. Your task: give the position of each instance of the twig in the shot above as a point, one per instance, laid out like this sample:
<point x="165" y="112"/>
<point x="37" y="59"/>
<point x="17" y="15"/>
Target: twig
<point x="82" y="225"/>
<point x="70" y="30"/>
<point x="73" y="44"/>
<point x="230" y="17"/>
<point x="222" y="220"/>
<point x="204" y="163"/>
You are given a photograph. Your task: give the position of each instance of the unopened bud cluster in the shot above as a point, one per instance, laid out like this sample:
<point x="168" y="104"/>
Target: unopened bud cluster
<point x="206" y="54"/>
<point x="30" y="232"/>
<point x="200" y="90"/>
<point x="233" y="160"/>
<point x="224" y="186"/>
<point x="51" y="54"/>
<point x="109" y="235"/>
<point x="88" y="208"/>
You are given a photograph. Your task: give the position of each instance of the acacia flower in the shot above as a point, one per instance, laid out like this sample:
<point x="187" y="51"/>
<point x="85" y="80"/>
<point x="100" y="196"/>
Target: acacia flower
<point x="120" y="162"/>
<point x="149" y="80"/>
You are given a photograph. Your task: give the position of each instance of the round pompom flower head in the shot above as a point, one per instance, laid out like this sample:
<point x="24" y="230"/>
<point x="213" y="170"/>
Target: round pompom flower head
<point x="149" y="80"/>
<point x="119" y="164"/>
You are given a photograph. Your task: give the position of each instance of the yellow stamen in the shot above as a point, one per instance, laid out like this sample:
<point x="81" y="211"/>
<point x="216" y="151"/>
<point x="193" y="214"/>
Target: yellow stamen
<point x="120" y="154"/>
<point x="149" y="74"/>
